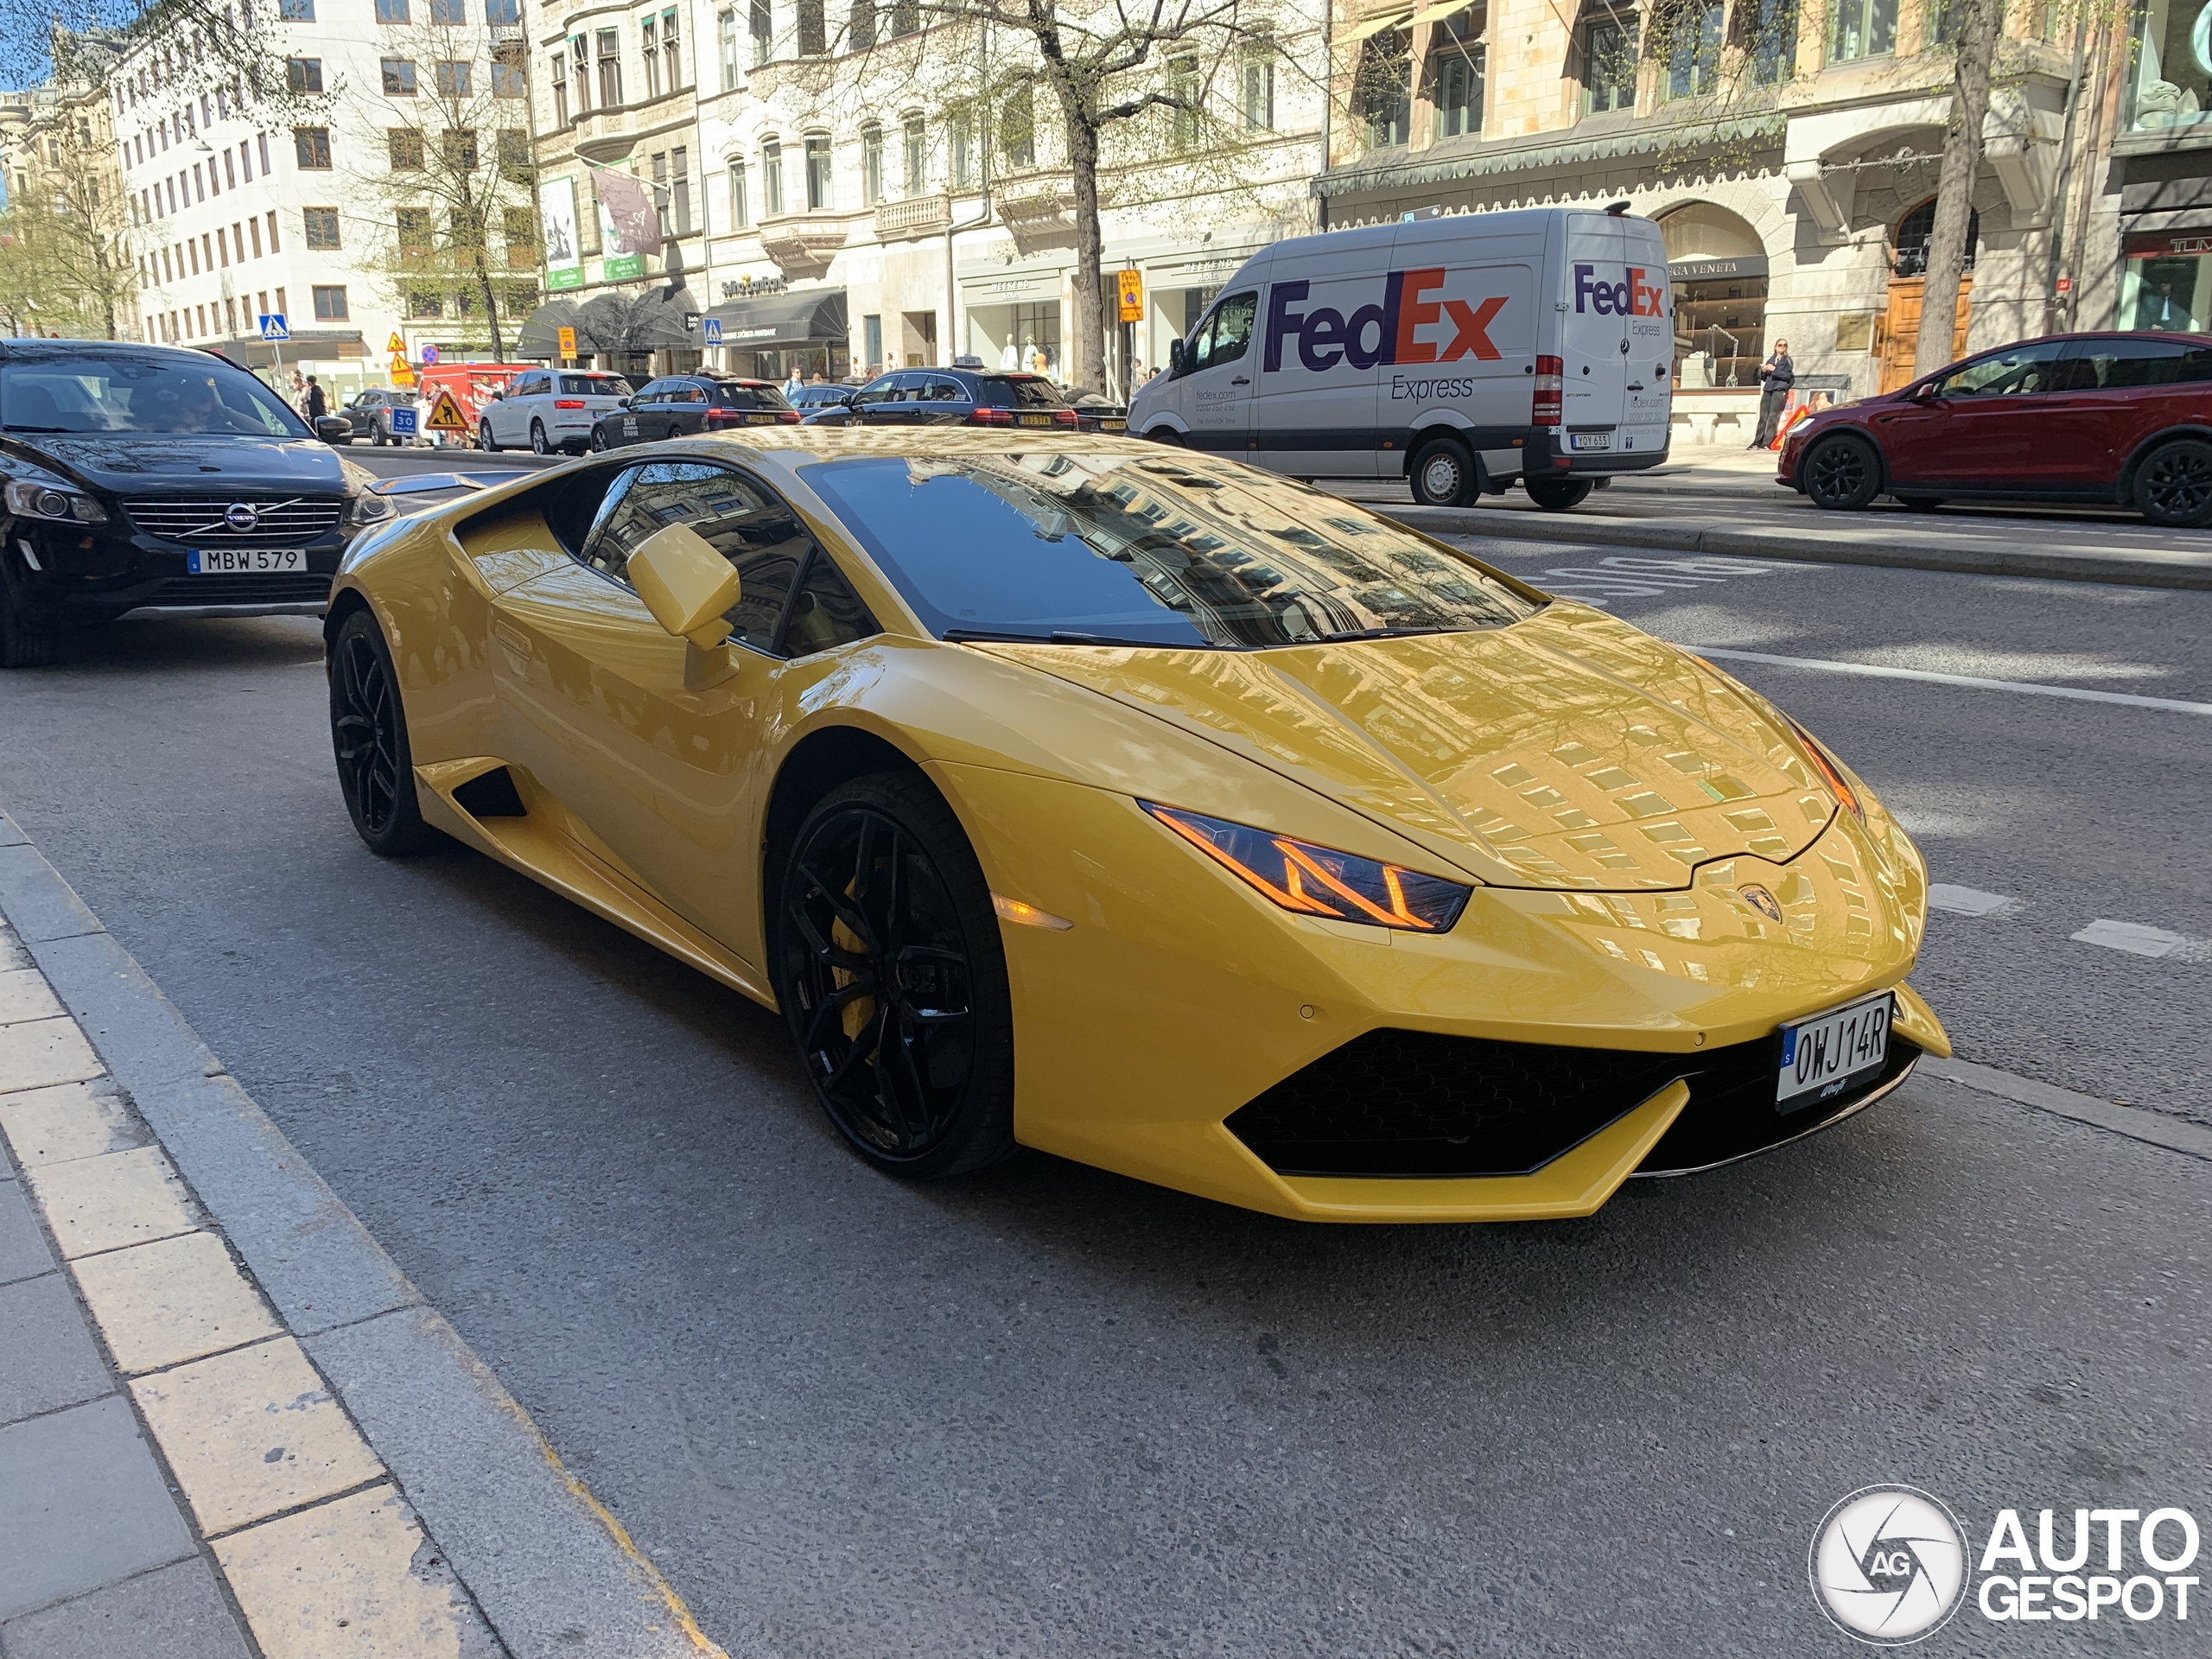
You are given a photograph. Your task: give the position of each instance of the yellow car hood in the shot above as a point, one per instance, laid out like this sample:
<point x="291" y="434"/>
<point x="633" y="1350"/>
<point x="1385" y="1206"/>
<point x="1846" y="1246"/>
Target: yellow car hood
<point x="1570" y="750"/>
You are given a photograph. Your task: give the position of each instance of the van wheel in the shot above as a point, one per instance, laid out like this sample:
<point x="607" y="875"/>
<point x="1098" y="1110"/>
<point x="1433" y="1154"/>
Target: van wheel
<point x="1166" y="435"/>
<point x="1841" y="473"/>
<point x="2175" y="485"/>
<point x="1445" y="475"/>
<point x="1557" y="495"/>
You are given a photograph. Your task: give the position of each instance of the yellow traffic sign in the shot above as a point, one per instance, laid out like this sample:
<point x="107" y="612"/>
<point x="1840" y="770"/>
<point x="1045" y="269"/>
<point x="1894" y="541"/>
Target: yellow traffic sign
<point x="567" y="342"/>
<point x="445" y="415"/>
<point x="1129" y="285"/>
<point x="402" y="373"/>
<point x="397" y="346"/>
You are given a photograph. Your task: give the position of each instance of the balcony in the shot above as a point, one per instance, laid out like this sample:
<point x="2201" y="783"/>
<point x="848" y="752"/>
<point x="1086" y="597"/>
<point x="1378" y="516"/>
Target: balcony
<point x="1038" y="210"/>
<point x="802" y="244"/>
<point x="916" y="216"/>
<point x="610" y="134"/>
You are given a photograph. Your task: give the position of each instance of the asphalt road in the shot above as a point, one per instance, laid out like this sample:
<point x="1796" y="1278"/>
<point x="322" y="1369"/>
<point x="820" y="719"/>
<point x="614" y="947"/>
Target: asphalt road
<point x="1049" y="1411"/>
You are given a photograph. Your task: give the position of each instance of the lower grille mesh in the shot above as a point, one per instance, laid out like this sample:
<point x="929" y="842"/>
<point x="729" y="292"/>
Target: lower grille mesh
<point x="281" y="588"/>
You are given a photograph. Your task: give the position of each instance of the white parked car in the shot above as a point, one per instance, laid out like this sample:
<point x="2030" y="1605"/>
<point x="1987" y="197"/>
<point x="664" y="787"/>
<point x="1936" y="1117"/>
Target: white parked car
<point x="550" y="410"/>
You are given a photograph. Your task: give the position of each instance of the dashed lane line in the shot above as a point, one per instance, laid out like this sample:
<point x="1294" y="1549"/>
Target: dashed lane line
<point x="1968" y="901"/>
<point x="1872" y="670"/>
<point x="2141" y="939"/>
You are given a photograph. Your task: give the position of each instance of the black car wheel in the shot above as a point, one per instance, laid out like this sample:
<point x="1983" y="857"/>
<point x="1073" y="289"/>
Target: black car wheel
<point x="892" y="972"/>
<point x="598" y="438"/>
<point x="1166" y="435"/>
<point x="484" y="436"/>
<point x="22" y="645"/>
<point x="1444" y="474"/>
<point x="1841" y="473"/>
<point x="2174" y="487"/>
<point x="1557" y="495"/>
<point x="538" y="444"/>
<point x="368" y="734"/>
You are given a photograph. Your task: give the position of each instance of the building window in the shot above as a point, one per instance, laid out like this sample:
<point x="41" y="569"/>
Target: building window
<point x="1863" y="28"/>
<point x="871" y="343"/>
<point x="649" y="32"/>
<point x="905" y="18"/>
<point x="1916" y="229"/>
<point x="670" y="52"/>
<point x="312" y="146"/>
<point x="1609" y="61"/>
<point x="514" y="154"/>
<point x="1381" y="90"/>
<point x="741" y="213"/>
<point x="425" y="303"/>
<point x="1456" y="63"/>
<point x="818" y="193"/>
<point x="1257" y="90"/>
<point x="302" y="75"/>
<point x="1690" y="33"/>
<point x="399" y="78"/>
<point x="2170" y="82"/>
<point x="405" y="144"/>
<point x="2165" y="284"/>
<point x="680" y="160"/>
<point x="610" y="69"/>
<point x="454" y="79"/>
<point x="459" y="147"/>
<point x="1719" y="270"/>
<point x="859" y="29"/>
<point x="1766" y="32"/>
<point x="559" y="89"/>
<point x="392" y="11"/>
<point x="1184" y="88"/>
<point x="521" y="238"/>
<point x="1017" y="129"/>
<point x="813" y="28"/>
<point x="320" y="226"/>
<point x="725" y="47"/>
<point x="418" y="234"/>
<point x="330" y="305"/>
<point x="761" y="22"/>
<point x="915" y="154"/>
<point x="502" y="14"/>
<point x="508" y="78"/>
<point x="451" y="13"/>
<point x="295" y="11"/>
<point x="772" y="178"/>
<point x="962" y="139"/>
<point x="871" y="164"/>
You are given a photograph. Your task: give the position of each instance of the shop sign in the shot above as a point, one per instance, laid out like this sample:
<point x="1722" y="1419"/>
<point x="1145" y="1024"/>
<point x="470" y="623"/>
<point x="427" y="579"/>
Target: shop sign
<point x="622" y="268"/>
<point x="2176" y="245"/>
<point x="1716" y="270"/>
<point x="570" y="277"/>
<point x="746" y="287"/>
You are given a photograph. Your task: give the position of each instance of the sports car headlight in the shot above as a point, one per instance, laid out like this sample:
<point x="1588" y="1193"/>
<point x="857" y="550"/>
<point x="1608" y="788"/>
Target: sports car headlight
<point x="1320" y="880"/>
<point x="28" y="498"/>
<point x="1831" y="771"/>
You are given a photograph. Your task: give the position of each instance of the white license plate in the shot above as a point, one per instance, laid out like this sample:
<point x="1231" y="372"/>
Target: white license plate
<point x="230" y="560"/>
<point x="1589" y="440"/>
<point x="1823" y="1056"/>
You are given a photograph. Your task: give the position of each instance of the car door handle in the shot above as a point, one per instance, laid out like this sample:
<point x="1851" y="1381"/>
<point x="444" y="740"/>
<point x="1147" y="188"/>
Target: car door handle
<point x="1242" y="380"/>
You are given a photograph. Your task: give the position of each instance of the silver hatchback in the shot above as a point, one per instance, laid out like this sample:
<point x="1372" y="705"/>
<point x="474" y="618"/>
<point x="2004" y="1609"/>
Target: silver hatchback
<point x="550" y="410"/>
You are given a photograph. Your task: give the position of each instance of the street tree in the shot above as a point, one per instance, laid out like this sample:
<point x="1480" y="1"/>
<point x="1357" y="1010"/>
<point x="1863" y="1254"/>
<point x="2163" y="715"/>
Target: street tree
<point x="1979" y="25"/>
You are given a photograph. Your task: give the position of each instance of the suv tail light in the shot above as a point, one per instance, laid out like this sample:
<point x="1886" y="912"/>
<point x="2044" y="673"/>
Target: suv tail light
<point x="993" y="417"/>
<point x="788" y="416"/>
<point x="1065" y="417"/>
<point x="1549" y="405"/>
<point x="568" y="403"/>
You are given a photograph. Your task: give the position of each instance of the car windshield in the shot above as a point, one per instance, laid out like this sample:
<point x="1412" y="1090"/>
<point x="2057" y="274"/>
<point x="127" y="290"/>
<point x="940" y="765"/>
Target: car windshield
<point x="594" y="385"/>
<point x="88" y="393"/>
<point x="731" y="396"/>
<point x="1017" y="392"/>
<point x="1133" y="550"/>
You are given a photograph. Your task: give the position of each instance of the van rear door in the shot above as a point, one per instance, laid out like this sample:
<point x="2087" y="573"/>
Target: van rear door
<point x="1615" y="297"/>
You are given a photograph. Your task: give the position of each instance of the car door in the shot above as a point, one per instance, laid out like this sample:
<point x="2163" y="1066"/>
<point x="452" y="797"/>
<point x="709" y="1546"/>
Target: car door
<point x="943" y="401"/>
<point x="1222" y="372"/>
<point x="2120" y="389"/>
<point x="877" y="403"/>
<point x="1982" y="425"/>
<point x="687" y="410"/>
<point x="663" y="779"/>
<point x="510" y="415"/>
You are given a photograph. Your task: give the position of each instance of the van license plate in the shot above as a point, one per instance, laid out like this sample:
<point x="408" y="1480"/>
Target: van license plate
<point x="1822" y="1057"/>
<point x="233" y="561"/>
<point x="1589" y="440"/>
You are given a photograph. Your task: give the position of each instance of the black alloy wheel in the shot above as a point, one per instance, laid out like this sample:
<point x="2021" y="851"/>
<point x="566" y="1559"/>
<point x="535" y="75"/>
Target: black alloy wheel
<point x="2174" y="487"/>
<point x="537" y="443"/>
<point x="1444" y="474"/>
<point x="893" y="975"/>
<point x="598" y="438"/>
<point x="1558" y="494"/>
<point x="368" y="736"/>
<point x="1841" y="473"/>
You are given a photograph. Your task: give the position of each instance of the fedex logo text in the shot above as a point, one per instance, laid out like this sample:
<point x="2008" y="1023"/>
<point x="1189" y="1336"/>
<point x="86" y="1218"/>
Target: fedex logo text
<point x="1633" y="298"/>
<point x="1386" y="332"/>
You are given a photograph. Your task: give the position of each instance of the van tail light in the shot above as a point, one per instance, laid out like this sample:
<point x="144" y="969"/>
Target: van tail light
<point x="1549" y="407"/>
<point x="568" y="403"/>
<point x="993" y="417"/>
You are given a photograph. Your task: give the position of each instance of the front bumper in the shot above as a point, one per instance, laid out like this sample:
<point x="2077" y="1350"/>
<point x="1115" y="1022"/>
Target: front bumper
<point x="76" y="577"/>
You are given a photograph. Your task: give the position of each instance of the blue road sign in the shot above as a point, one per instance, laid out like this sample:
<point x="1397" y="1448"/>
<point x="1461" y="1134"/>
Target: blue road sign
<point x="403" y="421"/>
<point x="713" y="327"/>
<point x="272" y="327"/>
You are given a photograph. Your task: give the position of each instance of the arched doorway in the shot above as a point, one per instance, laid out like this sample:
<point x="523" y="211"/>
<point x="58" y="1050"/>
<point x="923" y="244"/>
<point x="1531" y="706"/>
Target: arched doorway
<point x="1718" y="267"/>
<point x="1907" y="269"/>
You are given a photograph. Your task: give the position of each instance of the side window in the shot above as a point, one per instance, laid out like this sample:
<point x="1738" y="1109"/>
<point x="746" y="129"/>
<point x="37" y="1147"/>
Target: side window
<point x="2017" y="371"/>
<point x="695" y="394"/>
<point x="650" y="393"/>
<point x="1223" y="336"/>
<point x="946" y="391"/>
<point x="2120" y="365"/>
<point x="827" y="613"/>
<point x="528" y="386"/>
<point x="881" y="391"/>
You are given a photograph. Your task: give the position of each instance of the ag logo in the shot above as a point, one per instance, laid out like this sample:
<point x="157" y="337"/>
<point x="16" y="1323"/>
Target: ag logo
<point x="1888" y="1564"/>
<point x="1763" y="901"/>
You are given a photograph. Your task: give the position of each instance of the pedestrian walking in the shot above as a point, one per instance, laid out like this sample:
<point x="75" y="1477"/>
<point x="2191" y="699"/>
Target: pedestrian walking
<point x="318" y="405"/>
<point x="1777" y="375"/>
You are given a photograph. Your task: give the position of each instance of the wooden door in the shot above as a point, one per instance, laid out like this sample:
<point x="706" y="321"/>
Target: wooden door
<point x="1901" y="329"/>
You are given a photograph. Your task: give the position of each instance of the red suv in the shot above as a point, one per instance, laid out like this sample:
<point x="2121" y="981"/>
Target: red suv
<point x="2074" y="417"/>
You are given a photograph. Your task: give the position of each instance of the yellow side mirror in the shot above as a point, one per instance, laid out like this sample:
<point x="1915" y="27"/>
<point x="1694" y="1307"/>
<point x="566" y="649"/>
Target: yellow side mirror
<point x="685" y="584"/>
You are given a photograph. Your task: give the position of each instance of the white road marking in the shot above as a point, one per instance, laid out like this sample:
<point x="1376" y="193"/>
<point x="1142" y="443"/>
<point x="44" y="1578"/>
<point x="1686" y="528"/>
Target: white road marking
<point x="2140" y="940"/>
<point x="1632" y="576"/>
<point x="1876" y="672"/>
<point x="1969" y="901"/>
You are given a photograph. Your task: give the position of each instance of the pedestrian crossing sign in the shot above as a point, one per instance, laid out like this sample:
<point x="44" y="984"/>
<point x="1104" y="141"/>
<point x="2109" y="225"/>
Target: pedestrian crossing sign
<point x="272" y="326"/>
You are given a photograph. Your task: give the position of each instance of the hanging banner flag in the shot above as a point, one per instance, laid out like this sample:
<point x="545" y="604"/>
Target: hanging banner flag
<point x="557" y="212"/>
<point x="630" y="221"/>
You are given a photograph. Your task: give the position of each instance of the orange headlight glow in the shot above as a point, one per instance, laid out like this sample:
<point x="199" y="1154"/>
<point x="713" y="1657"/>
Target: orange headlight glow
<point x="1831" y="772"/>
<point x="1320" y="880"/>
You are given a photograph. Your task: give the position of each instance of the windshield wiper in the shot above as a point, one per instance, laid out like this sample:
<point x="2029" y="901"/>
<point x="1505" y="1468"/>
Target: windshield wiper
<point x="1378" y="634"/>
<point x="1068" y="637"/>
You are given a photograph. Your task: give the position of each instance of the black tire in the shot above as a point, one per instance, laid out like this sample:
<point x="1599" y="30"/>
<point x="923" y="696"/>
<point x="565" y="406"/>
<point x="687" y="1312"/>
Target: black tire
<point x="1920" y="503"/>
<point x="368" y="738"/>
<point x="1166" y="435"/>
<point x="880" y="869"/>
<point x="1841" y="474"/>
<point x="21" y="644"/>
<point x="1557" y="495"/>
<point x="484" y="440"/>
<point x="598" y="439"/>
<point x="538" y="444"/>
<point x="1444" y="474"/>
<point x="2173" y="487"/>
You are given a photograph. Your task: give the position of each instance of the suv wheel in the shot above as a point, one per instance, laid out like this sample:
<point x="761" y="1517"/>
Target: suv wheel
<point x="22" y="645"/>
<point x="538" y="444"/>
<point x="1444" y="474"/>
<point x="1841" y="473"/>
<point x="2174" y="484"/>
<point x="484" y="440"/>
<point x="1557" y="495"/>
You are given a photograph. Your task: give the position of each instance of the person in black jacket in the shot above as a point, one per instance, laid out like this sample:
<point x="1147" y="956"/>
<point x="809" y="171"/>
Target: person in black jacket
<point x="1777" y="375"/>
<point x="318" y="405"/>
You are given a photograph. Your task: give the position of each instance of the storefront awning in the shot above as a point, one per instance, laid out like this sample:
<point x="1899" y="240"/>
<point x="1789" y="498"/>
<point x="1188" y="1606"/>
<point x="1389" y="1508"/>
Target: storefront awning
<point x="612" y="324"/>
<point x="773" y="323"/>
<point x="1487" y="159"/>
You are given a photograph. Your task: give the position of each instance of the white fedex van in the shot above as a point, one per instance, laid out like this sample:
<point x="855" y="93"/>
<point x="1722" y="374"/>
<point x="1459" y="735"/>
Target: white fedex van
<point x="1460" y="353"/>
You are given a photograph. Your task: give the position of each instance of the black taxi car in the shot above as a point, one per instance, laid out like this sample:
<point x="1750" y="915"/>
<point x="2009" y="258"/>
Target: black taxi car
<point x="152" y="481"/>
<point x="685" y="405"/>
<point x="959" y="396"/>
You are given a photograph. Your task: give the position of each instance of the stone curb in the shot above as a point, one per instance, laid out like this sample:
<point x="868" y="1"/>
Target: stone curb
<point x="2148" y="568"/>
<point x="2136" y="1123"/>
<point x="551" y="1572"/>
